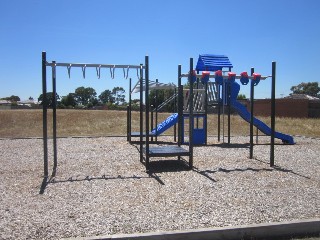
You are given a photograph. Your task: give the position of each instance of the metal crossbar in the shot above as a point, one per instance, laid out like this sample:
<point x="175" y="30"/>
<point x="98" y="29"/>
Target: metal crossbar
<point x="93" y="65"/>
<point x="98" y="67"/>
<point x="224" y="77"/>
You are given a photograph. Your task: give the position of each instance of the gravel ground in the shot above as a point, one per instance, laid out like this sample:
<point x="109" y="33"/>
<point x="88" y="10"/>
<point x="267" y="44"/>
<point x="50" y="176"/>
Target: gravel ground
<point x="101" y="188"/>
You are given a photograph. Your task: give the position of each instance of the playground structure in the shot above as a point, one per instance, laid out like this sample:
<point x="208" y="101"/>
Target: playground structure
<point x="222" y="93"/>
<point x="227" y="90"/>
<point x="191" y="104"/>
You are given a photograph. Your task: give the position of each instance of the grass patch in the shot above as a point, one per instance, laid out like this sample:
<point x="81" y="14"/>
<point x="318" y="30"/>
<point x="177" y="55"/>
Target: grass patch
<point x="28" y="123"/>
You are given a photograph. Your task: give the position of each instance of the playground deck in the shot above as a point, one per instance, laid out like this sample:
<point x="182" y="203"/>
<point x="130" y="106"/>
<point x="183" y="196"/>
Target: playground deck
<point x="102" y="188"/>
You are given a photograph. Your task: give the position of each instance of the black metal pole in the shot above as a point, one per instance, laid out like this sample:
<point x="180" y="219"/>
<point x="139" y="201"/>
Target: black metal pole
<point x="141" y="113"/>
<point x="54" y="119"/>
<point x="128" y="120"/>
<point x="44" y="114"/>
<point x="191" y="119"/>
<point x="180" y="107"/>
<point x="175" y="110"/>
<point x="219" y="111"/>
<point x="198" y="80"/>
<point x="147" y="109"/>
<point x="229" y="109"/>
<point x="156" y="112"/>
<point x="129" y="113"/>
<point x="273" y="112"/>
<point x="151" y="121"/>
<point x="251" y="113"/>
<point x="205" y="122"/>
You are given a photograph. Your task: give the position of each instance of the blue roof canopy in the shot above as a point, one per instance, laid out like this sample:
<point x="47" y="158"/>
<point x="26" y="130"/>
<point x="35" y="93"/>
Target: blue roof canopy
<point x="212" y="62"/>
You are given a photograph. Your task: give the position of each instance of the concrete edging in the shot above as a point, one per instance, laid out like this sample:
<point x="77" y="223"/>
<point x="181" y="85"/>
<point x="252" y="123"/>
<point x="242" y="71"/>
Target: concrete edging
<point x="263" y="230"/>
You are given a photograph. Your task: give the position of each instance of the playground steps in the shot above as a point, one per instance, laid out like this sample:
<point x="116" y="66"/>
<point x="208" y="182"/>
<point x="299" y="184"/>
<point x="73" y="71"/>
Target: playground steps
<point x="167" y="151"/>
<point x="137" y="134"/>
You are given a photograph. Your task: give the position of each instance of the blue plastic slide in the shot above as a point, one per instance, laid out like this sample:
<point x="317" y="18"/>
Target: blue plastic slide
<point x="243" y="112"/>
<point x="165" y="125"/>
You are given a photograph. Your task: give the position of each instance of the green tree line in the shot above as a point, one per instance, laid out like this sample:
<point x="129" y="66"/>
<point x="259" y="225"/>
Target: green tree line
<point x="86" y="97"/>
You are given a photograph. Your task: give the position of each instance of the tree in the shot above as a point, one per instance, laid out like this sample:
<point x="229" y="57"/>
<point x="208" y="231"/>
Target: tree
<point x="309" y="88"/>
<point x="106" y="96"/>
<point x="12" y="98"/>
<point x="118" y="95"/>
<point x="135" y="101"/>
<point x="162" y="95"/>
<point x="69" y="100"/>
<point x="241" y="97"/>
<point x="84" y="95"/>
<point x="49" y="99"/>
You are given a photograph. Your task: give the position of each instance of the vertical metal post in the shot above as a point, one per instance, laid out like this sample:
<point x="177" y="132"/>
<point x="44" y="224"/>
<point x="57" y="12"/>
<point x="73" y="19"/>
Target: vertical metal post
<point x="128" y="127"/>
<point x="251" y="113"/>
<point x="147" y="109"/>
<point x="156" y="112"/>
<point x="224" y="97"/>
<point x="180" y="107"/>
<point x="205" y="120"/>
<point x="54" y="118"/>
<point x="273" y="112"/>
<point x="44" y="114"/>
<point x="197" y="93"/>
<point x="229" y="109"/>
<point x="141" y="113"/>
<point x="129" y="113"/>
<point x="219" y="110"/>
<point x="175" y="109"/>
<point x="151" y="121"/>
<point x="191" y="119"/>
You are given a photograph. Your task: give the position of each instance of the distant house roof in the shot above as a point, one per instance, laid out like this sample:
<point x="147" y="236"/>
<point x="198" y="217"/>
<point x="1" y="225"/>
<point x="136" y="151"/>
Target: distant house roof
<point x="302" y="96"/>
<point x="212" y="62"/>
<point x="5" y="102"/>
<point x="26" y="102"/>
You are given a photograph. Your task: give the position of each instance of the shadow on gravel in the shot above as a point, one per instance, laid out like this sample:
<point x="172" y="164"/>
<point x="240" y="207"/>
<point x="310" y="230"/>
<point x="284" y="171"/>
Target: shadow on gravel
<point x="161" y="166"/>
<point x="103" y="177"/>
<point x="281" y="169"/>
<point x="240" y="145"/>
<point x="208" y="173"/>
<point x="228" y="145"/>
<point x="278" y="168"/>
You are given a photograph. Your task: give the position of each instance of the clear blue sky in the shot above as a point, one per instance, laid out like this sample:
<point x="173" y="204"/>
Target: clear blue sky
<point x="250" y="33"/>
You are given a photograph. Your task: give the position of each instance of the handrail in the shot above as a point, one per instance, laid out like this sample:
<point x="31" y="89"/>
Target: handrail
<point x="165" y="102"/>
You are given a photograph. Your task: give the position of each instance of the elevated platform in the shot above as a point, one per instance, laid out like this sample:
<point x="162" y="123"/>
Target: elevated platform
<point x="137" y="134"/>
<point x="167" y="151"/>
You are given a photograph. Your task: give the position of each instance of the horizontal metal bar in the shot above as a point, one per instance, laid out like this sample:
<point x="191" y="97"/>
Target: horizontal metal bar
<point x="225" y="77"/>
<point x="93" y="65"/>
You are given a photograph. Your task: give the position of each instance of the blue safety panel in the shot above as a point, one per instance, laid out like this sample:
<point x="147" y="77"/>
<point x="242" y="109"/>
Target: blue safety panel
<point x="199" y="136"/>
<point x="212" y="62"/>
<point x="245" y="114"/>
<point x="165" y="125"/>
